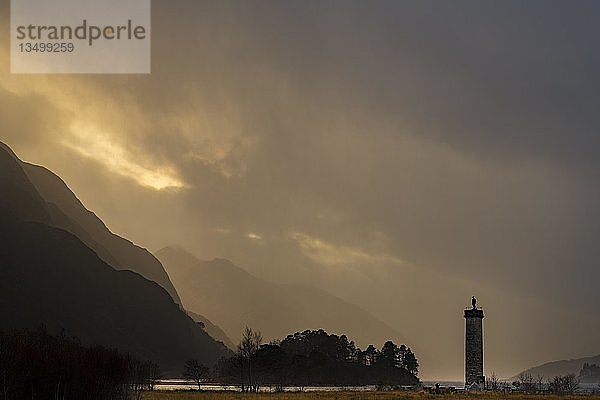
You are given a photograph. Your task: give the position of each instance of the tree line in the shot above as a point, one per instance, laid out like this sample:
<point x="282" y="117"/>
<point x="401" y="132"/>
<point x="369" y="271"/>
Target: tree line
<point x="314" y="357"/>
<point x="38" y="365"/>
<point x="530" y="384"/>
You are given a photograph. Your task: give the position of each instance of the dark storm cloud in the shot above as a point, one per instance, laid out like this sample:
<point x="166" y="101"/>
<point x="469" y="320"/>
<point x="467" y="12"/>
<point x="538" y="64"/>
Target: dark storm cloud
<point x="414" y="151"/>
<point x="331" y="89"/>
<point x="521" y="77"/>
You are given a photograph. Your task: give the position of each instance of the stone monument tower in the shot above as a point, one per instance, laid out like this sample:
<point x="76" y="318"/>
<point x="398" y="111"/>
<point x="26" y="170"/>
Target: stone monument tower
<point x="474" y="378"/>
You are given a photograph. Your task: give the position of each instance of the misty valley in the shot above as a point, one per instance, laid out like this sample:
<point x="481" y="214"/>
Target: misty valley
<point x="88" y="314"/>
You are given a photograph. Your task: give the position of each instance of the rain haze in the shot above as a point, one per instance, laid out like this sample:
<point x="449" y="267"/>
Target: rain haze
<point x="402" y="156"/>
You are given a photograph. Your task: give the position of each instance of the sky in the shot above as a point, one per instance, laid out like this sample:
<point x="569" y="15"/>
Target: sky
<point x="401" y="155"/>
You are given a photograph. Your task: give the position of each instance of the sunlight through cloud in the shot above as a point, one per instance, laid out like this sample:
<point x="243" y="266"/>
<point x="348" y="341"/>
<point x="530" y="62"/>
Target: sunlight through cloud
<point x="326" y="253"/>
<point x="254" y="236"/>
<point x="92" y="143"/>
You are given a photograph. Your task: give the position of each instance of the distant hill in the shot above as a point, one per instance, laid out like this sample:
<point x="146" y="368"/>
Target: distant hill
<point x="213" y="330"/>
<point x="226" y="293"/>
<point x="50" y="277"/>
<point x="562" y="367"/>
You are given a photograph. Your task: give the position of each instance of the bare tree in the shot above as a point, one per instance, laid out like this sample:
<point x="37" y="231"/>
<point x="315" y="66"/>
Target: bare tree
<point x="195" y="371"/>
<point x="525" y="383"/>
<point x="153" y="374"/>
<point x="539" y="382"/>
<point x="493" y="382"/>
<point x="247" y="348"/>
<point x="565" y="384"/>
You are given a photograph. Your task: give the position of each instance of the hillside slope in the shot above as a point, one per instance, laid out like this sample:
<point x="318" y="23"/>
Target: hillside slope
<point x="561" y="367"/>
<point x="113" y="249"/>
<point x="213" y="330"/>
<point x="49" y="276"/>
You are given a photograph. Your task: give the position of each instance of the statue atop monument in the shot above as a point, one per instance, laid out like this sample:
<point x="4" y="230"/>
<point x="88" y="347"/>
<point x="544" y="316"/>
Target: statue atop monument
<point x="474" y="378"/>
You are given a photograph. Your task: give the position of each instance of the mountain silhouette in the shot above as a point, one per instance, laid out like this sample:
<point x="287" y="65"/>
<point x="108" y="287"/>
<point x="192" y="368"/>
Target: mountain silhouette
<point x="116" y="251"/>
<point x="19" y="196"/>
<point x="50" y="276"/>
<point x="233" y="297"/>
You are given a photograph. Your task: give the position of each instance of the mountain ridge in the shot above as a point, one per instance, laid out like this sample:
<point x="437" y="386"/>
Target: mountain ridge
<point x="212" y="329"/>
<point x="117" y="251"/>
<point x="50" y="277"/>
<point x="226" y="293"/>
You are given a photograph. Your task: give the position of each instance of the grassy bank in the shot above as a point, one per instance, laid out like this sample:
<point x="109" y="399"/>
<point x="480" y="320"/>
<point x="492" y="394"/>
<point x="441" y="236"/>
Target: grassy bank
<point x="400" y="395"/>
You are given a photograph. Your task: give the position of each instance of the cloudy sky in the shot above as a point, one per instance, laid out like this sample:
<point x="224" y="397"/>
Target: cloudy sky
<point x="401" y="155"/>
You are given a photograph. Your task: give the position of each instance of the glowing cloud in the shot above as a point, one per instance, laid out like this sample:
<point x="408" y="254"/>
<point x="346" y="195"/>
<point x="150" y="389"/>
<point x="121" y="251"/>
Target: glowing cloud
<point x="332" y="254"/>
<point x="253" y="236"/>
<point x="92" y="143"/>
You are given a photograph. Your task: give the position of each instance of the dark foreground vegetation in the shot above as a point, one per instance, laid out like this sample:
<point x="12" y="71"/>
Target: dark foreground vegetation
<point x="37" y="365"/>
<point x="527" y="383"/>
<point x="387" y="395"/>
<point x="312" y="358"/>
